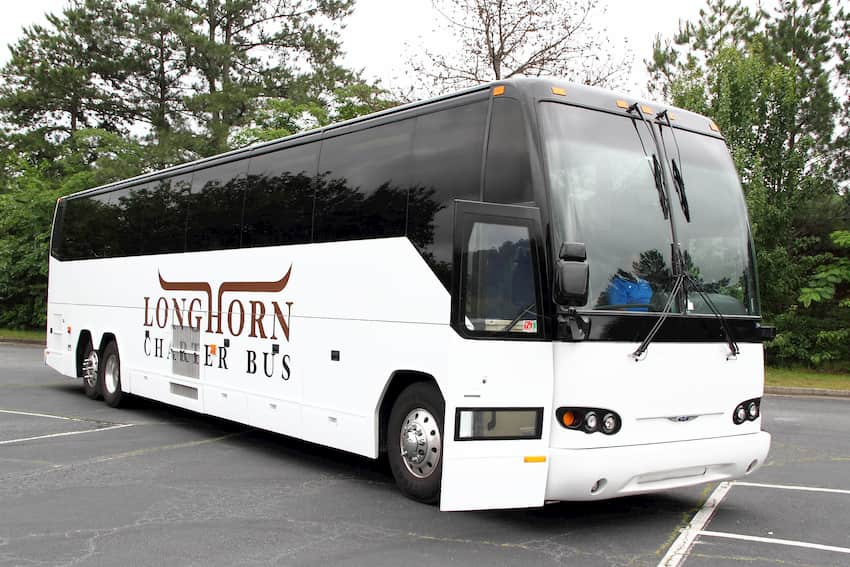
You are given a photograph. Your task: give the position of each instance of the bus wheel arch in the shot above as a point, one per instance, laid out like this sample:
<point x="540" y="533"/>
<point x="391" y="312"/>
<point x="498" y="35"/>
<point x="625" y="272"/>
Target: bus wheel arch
<point x="399" y="380"/>
<point x="414" y="439"/>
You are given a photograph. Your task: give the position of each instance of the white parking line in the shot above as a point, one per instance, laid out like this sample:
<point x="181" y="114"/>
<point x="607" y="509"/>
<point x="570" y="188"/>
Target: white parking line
<point x="678" y="552"/>
<point x="777" y="541"/>
<point x="52" y="435"/>
<point x="49" y="415"/>
<point x="794" y="487"/>
<point x="680" y="549"/>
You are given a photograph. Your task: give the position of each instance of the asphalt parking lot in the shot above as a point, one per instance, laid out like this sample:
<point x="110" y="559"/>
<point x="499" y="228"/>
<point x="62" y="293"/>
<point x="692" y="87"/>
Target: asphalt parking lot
<point x="85" y="484"/>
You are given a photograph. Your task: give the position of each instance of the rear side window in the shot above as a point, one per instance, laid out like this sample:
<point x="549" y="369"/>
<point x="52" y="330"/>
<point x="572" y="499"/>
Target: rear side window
<point x="79" y="221"/>
<point x="362" y="185"/>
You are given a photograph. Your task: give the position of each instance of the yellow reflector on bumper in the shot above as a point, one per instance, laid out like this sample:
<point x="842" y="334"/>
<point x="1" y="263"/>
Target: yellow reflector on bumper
<point x="535" y="459"/>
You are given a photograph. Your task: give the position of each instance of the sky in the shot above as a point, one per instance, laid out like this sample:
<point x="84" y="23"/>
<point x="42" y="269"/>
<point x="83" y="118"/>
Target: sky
<point x="381" y="34"/>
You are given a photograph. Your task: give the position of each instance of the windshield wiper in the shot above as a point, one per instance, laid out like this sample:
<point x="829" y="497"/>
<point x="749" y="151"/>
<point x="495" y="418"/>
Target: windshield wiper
<point x="678" y="179"/>
<point x="683" y="281"/>
<point x="655" y="168"/>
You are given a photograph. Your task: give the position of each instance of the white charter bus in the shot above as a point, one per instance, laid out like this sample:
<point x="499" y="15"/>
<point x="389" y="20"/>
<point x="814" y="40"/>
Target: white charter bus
<point x="525" y="292"/>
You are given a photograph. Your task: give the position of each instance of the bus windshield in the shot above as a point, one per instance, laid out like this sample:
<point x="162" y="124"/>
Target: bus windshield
<point x="604" y="193"/>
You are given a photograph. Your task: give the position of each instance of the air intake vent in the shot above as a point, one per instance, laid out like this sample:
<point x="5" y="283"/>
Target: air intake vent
<point x="185" y="391"/>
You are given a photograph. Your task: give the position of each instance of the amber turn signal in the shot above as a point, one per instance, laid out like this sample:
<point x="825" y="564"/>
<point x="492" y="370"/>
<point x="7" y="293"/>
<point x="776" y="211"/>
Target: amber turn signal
<point x="569" y="419"/>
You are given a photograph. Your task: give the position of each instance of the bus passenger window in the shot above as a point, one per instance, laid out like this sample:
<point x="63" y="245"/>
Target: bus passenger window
<point x="499" y="291"/>
<point x="507" y="177"/>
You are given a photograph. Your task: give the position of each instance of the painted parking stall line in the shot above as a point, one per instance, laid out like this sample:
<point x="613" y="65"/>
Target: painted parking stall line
<point x="680" y="549"/>
<point x="47" y="415"/>
<point x="777" y="541"/>
<point x="106" y="426"/>
<point x="66" y="434"/>
<point x="794" y="487"/>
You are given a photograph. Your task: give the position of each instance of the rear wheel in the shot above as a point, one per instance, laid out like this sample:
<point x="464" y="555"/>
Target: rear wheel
<point x="90" y="374"/>
<point x="110" y="375"/>
<point x="415" y="442"/>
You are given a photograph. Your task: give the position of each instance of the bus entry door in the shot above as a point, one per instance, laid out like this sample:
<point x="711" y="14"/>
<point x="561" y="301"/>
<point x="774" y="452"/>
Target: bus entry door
<point x="499" y="391"/>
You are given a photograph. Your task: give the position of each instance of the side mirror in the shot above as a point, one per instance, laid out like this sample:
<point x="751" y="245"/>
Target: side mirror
<point x="572" y="275"/>
<point x="573" y="251"/>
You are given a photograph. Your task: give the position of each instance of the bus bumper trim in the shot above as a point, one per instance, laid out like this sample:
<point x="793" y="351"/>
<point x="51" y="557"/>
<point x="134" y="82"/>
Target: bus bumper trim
<point x="595" y="474"/>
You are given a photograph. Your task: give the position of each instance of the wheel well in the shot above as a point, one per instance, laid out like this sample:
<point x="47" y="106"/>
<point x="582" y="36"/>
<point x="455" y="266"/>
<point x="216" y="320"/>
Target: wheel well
<point x="82" y="341"/>
<point x="105" y="340"/>
<point x="399" y="380"/>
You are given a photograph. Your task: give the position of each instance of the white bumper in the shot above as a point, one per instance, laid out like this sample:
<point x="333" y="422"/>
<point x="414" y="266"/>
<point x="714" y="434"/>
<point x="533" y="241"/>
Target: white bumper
<point x="621" y="471"/>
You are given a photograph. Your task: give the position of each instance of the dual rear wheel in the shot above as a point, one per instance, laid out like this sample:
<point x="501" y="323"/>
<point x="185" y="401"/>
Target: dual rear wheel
<point x="102" y="374"/>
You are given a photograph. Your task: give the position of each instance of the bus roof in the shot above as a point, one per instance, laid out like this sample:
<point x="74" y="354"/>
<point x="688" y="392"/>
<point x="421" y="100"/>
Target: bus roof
<point x="529" y="89"/>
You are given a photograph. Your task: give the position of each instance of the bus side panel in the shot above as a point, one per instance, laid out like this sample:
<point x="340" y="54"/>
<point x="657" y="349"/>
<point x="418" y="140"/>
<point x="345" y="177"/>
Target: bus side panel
<point x="301" y="339"/>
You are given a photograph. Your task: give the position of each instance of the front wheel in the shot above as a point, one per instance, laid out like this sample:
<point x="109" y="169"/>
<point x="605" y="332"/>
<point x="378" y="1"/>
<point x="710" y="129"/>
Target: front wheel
<point x="415" y="442"/>
<point x="110" y="376"/>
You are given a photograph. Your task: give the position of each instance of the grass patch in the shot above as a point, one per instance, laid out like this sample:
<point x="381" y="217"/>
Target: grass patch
<point x="805" y="378"/>
<point x="18" y="335"/>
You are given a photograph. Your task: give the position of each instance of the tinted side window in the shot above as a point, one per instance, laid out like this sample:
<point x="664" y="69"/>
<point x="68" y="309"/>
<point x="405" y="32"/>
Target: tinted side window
<point x="135" y="205"/>
<point x="116" y="239"/>
<point x="164" y="214"/>
<point x="447" y="150"/>
<point x="79" y="225"/>
<point x="507" y="177"/>
<point x="363" y="182"/>
<point x="215" y="207"/>
<point x="57" y="237"/>
<point x="279" y="197"/>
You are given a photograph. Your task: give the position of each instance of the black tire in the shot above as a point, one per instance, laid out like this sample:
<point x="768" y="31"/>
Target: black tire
<point x="90" y="372"/>
<point x="109" y="373"/>
<point x="419" y="481"/>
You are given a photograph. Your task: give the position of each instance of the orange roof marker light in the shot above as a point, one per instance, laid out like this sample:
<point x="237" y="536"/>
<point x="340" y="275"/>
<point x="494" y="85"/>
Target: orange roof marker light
<point x="647" y="109"/>
<point x="559" y="91"/>
<point x="622" y="104"/>
<point x="499" y="91"/>
<point x="713" y="126"/>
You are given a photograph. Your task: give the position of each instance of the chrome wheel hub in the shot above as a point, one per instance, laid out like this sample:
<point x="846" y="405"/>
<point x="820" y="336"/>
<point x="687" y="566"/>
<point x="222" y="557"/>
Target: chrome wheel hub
<point x="421" y="444"/>
<point x="90" y="369"/>
<point x="111" y="375"/>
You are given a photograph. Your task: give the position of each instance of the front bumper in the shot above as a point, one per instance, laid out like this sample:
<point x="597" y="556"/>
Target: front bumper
<point x="609" y="472"/>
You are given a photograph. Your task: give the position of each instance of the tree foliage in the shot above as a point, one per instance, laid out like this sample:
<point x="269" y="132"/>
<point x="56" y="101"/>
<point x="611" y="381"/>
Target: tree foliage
<point x="501" y="39"/>
<point x="108" y="89"/>
<point x="771" y="81"/>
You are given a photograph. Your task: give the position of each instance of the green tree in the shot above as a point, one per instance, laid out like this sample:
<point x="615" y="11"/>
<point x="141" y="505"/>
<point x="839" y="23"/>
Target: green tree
<point x="246" y="51"/>
<point x="62" y="78"/>
<point x="157" y="72"/>
<point x="281" y="117"/>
